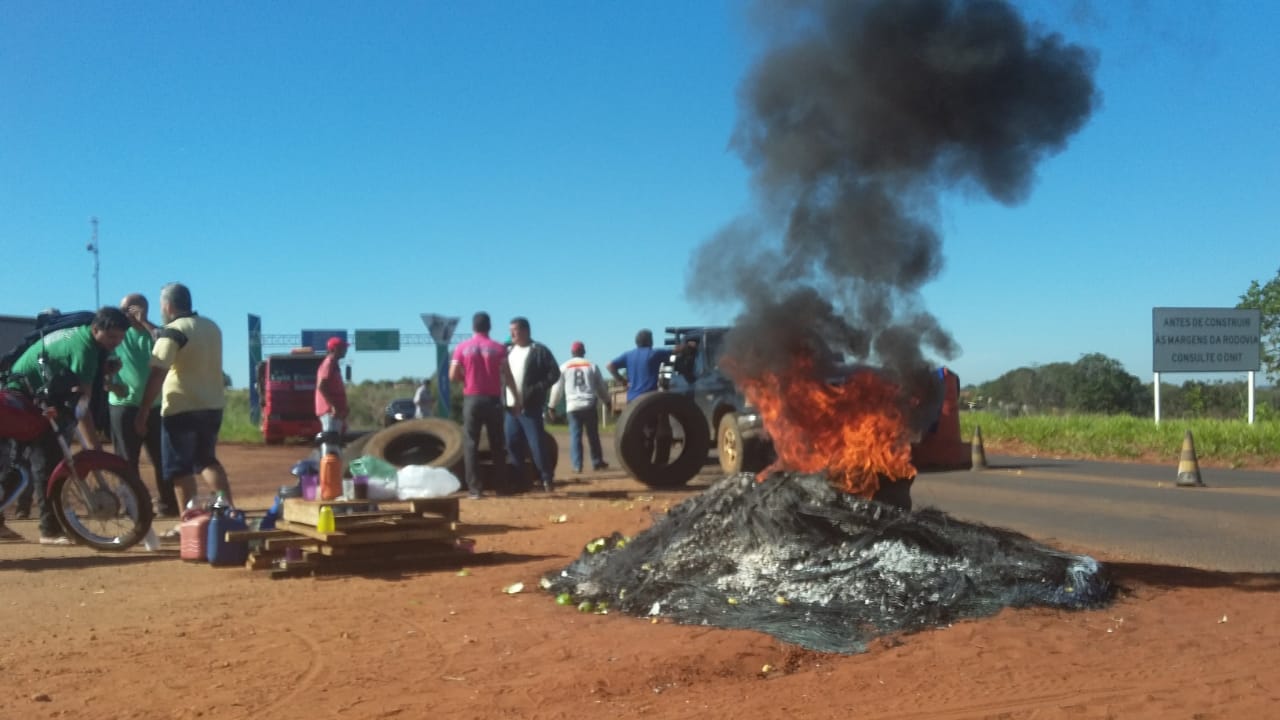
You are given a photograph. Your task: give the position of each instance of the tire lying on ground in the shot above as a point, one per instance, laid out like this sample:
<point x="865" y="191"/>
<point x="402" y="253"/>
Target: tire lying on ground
<point x="738" y="453"/>
<point x="426" y="441"/>
<point x="646" y="453"/>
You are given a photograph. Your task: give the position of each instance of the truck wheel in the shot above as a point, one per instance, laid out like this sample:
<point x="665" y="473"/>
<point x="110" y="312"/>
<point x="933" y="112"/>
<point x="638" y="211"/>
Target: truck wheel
<point x="652" y="428"/>
<point x="738" y="454"/>
<point x="427" y="441"/>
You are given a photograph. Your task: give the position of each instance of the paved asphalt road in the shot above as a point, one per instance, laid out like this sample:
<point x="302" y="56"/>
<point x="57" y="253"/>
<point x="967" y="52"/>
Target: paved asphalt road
<point x="1130" y="511"/>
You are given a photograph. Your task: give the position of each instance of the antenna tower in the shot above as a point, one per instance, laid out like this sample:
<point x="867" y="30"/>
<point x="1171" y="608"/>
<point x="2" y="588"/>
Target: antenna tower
<point x="93" y="248"/>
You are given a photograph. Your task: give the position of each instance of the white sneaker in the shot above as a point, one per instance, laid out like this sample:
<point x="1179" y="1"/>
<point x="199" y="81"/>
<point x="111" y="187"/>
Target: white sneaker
<point x="59" y="540"/>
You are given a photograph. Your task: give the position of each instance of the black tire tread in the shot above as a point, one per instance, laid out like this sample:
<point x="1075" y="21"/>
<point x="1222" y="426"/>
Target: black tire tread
<point x="629" y="440"/>
<point x="448" y="432"/>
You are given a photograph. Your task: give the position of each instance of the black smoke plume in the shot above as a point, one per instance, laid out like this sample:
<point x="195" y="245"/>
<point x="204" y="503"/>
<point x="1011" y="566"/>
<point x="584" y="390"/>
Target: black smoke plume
<point x="859" y="116"/>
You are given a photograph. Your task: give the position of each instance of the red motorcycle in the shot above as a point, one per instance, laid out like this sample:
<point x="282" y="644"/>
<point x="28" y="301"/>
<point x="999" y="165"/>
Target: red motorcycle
<point x="96" y="496"/>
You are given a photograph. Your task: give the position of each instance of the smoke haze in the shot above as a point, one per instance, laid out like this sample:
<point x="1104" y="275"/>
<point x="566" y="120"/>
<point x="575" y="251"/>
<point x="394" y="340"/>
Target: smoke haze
<point x="857" y="118"/>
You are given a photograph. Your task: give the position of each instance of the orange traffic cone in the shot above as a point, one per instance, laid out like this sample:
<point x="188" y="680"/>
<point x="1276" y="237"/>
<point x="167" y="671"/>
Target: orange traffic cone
<point x="1188" y="466"/>
<point x="978" y="456"/>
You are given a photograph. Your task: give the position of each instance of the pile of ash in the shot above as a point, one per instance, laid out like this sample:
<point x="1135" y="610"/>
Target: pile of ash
<point x="795" y="558"/>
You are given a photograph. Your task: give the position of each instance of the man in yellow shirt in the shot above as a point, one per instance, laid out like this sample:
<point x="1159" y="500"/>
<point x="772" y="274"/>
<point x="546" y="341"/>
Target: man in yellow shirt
<point x="186" y="364"/>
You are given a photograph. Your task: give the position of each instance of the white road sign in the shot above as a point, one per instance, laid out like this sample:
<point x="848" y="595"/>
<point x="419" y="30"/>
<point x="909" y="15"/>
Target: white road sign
<point x="1206" y="340"/>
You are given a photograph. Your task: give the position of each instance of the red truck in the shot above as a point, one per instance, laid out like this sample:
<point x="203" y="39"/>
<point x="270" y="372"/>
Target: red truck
<point x="287" y="386"/>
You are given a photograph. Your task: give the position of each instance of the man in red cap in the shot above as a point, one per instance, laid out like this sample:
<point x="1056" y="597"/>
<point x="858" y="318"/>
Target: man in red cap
<point x="331" y="394"/>
<point x="584" y="391"/>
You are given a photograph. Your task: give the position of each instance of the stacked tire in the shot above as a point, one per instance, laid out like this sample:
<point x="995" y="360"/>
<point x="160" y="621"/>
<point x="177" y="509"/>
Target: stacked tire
<point x="662" y="439"/>
<point x="440" y="443"/>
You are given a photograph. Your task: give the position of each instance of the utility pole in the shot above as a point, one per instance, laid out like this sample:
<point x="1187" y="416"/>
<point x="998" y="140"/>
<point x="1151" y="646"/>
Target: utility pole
<point x="93" y="248"/>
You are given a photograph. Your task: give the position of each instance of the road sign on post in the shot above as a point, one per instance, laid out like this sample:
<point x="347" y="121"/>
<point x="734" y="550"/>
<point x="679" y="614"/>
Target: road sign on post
<point x="377" y="340"/>
<point x="441" y="329"/>
<point x="318" y="339"/>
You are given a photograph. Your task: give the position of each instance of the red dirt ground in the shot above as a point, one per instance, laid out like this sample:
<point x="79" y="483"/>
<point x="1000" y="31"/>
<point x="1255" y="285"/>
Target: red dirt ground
<point x="145" y="635"/>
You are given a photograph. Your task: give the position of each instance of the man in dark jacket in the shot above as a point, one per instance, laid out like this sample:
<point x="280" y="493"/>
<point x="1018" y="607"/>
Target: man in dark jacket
<point x="535" y="371"/>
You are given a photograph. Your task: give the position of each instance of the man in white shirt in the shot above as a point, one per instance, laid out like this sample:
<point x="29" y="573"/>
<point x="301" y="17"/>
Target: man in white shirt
<point x="584" y="391"/>
<point x="535" y="370"/>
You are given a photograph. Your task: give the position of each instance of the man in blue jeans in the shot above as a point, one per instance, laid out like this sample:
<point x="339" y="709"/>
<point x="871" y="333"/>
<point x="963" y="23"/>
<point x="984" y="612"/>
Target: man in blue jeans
<point x="535" y="370"/>
<point x="584" y="391"/>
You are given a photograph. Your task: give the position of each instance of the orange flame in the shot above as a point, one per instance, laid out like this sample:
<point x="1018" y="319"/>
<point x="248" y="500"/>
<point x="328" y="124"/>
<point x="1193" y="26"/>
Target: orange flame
<point x="855" y="431"/>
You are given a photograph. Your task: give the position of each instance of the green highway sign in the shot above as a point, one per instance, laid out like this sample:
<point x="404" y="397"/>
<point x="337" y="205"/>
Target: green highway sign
<point x="377" y="340"/>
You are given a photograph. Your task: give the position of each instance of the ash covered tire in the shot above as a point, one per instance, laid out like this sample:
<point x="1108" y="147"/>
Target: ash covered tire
<point x="427" y="441"/>
<point x="662" y="439"/>
<point x="738" y="453"/>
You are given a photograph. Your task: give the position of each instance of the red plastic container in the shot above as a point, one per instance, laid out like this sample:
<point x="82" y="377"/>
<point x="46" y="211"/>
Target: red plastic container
<point x="194" y="535"/>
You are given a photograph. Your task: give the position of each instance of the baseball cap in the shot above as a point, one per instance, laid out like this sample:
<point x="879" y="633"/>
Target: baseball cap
<point x="577" y="347"/>
<point x="335" y="343"/>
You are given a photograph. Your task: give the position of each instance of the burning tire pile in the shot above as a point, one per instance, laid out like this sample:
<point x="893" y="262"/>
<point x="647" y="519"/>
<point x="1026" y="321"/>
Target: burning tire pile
<point x="798" y="559"/>
<point x="854" y="122"/>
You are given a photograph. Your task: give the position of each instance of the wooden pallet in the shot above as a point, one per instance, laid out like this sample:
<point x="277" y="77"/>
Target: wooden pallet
<point x="367" y="536"/>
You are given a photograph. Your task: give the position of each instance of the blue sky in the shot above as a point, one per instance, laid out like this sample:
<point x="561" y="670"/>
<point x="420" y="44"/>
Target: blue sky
<point x="351" y="165"/>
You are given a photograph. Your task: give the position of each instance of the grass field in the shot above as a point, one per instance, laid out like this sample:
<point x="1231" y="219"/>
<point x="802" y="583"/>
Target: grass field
<point x="1234" y="443"/>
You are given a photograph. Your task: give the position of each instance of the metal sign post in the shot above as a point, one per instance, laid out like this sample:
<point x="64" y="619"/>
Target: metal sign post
<point x="255" y="359"/>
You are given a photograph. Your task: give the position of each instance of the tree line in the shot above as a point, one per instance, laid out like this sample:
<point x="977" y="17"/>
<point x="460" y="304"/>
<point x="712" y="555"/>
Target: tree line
<point x="1099" y="384"/>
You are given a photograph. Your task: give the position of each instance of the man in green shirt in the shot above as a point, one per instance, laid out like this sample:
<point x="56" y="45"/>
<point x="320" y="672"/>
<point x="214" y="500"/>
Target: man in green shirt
<point x="81" y="351"/>
<point x="126" y="395"/>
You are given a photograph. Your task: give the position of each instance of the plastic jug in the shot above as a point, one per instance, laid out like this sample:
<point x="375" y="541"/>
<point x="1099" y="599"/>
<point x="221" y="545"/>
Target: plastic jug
<point x="220" y="551"/>
<point x="193" y="533"/>
<point x="331" y="477"/>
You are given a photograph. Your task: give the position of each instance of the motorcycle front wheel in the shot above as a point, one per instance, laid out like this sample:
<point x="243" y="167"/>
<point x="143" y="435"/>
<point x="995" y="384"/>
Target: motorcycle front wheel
<point x="106" y="509"/>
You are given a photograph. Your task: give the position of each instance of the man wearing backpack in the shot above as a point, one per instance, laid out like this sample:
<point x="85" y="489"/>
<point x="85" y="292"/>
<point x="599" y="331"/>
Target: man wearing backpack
<point x="125" y="396"/>
<point x="82" y="351"/>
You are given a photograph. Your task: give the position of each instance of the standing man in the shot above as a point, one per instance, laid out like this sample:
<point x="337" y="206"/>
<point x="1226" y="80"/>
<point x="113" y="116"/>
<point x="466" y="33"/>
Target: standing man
<point x="641" y="366"/>
<point x="125" y="396"/>
<point x="186" y="364"/>
<point x="535" y="370"/>
<point x="480" y="364"/>
<point x="83" y="352"/>
<point x="422" y="400"/>
<point x="584" y="391"/>
<point x="331" y="394"/>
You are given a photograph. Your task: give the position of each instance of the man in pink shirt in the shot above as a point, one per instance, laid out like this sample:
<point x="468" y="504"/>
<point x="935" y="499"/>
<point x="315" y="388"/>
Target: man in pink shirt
<point x="331" y="394"/>
<point x="481" y="365"/>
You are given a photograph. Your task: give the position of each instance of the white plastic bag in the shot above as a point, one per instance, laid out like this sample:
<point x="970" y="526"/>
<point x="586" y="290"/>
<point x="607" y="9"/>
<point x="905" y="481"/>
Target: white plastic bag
<point x="424" y="481"/>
